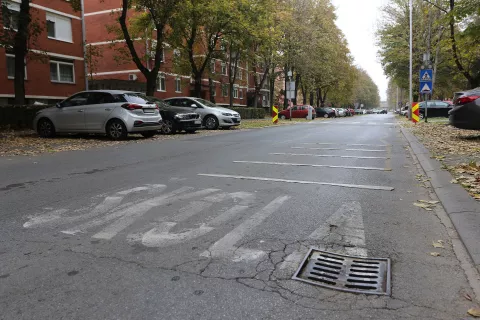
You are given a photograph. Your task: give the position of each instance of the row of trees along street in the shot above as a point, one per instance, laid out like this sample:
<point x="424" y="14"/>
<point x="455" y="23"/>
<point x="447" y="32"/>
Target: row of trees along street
<point x="271" y="36"/>
<point x="448" y="29"/>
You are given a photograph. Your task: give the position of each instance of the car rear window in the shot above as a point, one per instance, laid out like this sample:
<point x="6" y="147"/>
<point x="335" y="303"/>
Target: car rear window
<point x="136" y="98"/>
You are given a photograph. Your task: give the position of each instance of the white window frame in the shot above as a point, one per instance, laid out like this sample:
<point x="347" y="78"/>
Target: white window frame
<point x="11" y="6"/>
<point x="53" y="17"/>
<point x="58" y="63"/>
<point x="212" y="66"/>
<point x="224" y="69"/>
<point x="239" y="73"/>
<point x="8" y="55"/>
<point x="235" y="92"/>
<point x="224" y="90"/>
<point x="159" y="87"/>
<point x="178" y="85"/>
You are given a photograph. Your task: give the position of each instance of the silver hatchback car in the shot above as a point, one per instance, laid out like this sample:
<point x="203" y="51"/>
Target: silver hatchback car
<point x="213" y="116"/>
<point x="112" y="112"/>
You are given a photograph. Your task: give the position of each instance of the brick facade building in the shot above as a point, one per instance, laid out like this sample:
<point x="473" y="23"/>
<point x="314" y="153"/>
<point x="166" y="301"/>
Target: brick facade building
<point x="55" y="64"/>
<point x="61" y="72"/>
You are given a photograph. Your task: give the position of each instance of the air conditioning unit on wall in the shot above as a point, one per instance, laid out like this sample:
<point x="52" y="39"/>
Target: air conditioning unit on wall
<point x="132" y="77"/>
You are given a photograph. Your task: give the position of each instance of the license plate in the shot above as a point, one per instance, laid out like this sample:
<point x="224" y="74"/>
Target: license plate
<point x="198" y="121"/>
<point x="148" y="110"/>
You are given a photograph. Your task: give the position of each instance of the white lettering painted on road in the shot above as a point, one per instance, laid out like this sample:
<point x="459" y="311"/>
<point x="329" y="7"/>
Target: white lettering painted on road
<point x="324" y="155"/>
<point x="310" y="165"/>
<point x="355" y="186"/>
<point x="225" y="247"/>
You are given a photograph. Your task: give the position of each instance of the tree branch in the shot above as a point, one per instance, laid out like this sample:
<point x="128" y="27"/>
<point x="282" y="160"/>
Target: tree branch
<point x="436" y="6"/>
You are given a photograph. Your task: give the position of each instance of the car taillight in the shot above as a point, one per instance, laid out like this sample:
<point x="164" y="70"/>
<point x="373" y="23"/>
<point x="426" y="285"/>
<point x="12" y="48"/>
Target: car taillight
<point x="132" y="106"/>
<point x="465" y="100"/>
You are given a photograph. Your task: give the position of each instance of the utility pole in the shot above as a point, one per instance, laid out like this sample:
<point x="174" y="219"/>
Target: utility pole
<point x="396" y="105"/>
<point x="411" y="63"/>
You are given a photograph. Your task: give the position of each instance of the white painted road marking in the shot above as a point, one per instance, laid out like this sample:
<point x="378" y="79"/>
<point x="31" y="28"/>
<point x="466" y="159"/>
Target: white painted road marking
<point x="310" y="165"/>
<point x="129" y="215"/>
<point x="225" y="247"/>
<point x="355" y="186"/>
<point x="324" y="155"/>
<point x="347" y="144"/>
<point x="344" y="228"/>
<point x="364" y="150"/>
<point x="55" y="218"/>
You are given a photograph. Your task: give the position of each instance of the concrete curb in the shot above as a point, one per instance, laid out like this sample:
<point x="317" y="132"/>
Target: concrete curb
<point x="464" y="212"/>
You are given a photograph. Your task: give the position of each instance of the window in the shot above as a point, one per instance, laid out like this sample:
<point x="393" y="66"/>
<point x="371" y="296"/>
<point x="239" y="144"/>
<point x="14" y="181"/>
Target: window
<point x="161" y="86"/>
<point x="10" y="13"/>
<point x="235" y="92"/>
<point x="224" y="68"/>
<point x="11" y="67"/>
<point x="178" y="85"/>
<point x="212" y="66"/>
<point x="62" y="72"/>
<point x="225" y="90"/>
<point x="59" y="27"/>
<point x="232" y="69"/>
<point x="176" y="53"/>
<point x="240" y="94"/>
<point x="80" y="99"/>
<point x="239" y="73"/>
<point x="101" y="97"/>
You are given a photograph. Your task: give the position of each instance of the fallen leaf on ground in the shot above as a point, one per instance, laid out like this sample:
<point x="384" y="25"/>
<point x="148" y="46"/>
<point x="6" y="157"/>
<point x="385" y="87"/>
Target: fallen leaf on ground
<point x="475" y="312"/>
<point x="467" y="296"/>
<point x="435" y="254"/>
<point x="438" y="244"/>
<point x="454" y="181"/>
<point x="423" y="205"/>
<point x="429" y="201"/>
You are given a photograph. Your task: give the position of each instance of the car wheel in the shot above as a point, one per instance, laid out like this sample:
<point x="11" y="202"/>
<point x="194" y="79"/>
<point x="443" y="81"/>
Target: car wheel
<point x="211" y="123"/>
<point x="116" y="130"/>
<point x="167" y="127"/>
<point x="45" y="128"/>
<point x="148" y="134"/>
<point x="191" y="131"/>
<point x="325" y="115"/>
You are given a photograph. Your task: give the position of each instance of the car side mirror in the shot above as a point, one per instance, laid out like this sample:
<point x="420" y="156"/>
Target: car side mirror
<point x="58" y="105"/>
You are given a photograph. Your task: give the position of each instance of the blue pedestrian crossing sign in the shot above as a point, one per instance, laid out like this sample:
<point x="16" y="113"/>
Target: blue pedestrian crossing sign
<point x="426" y="75"/>
<point x="426" y="84"/>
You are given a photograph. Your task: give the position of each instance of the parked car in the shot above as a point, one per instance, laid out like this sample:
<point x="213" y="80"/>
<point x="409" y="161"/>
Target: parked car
<point x="325" y="112"/>
<point x="298" y="111"/>
<point x="175" y="120"/>
<point x="466" y="112"/>
<point x="435" y="108"/>
<point x="115" y="113"/>
<point x="336" y="112"/>
<point x="212" y="115"/>
<point x="404" y="111"/>
<point x="341" y="112"/>
<point x="383" y="111"/>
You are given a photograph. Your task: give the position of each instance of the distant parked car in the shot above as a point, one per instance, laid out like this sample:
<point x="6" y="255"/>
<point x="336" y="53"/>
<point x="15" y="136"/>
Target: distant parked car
<point x="298" y="111"/>
<point x="435" y="108"/>
<point x="213" y="116"/>
<point x="325" y="113"/>
<point x="383" y="111"/>
<point x="112" y="112"/>
<point x="341" y="112"/>
<point x="466" y="112"/>
<point x="175" y="119"/>
<point x="404" y="111"/>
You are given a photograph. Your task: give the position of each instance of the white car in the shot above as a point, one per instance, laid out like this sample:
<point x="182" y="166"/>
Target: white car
<point x="341" y="112"/>
<point x="213" y="116"/>
<point x="112" y="112"/>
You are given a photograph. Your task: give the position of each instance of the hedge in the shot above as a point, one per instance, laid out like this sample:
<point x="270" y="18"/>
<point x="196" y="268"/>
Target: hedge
<point x="250" y="113"/>
<point x="19" y="117"/>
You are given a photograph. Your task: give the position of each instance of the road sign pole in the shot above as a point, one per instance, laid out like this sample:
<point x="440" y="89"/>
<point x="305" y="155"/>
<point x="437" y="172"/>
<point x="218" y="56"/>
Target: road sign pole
<point x="426" y="107"/>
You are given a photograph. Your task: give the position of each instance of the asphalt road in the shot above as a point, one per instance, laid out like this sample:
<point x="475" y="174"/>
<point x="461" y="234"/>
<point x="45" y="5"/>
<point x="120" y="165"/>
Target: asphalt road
<point x="214" y="227"/>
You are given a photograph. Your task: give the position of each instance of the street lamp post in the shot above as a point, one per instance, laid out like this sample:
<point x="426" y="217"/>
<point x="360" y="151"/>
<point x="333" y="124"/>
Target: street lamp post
<point x="411" y="63"/>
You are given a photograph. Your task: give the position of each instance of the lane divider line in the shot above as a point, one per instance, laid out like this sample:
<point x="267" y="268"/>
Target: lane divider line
<point x="344" y="185"/>
<point x="310" y="165"/>
<point x="364" y="150"/>
<point x="324" y="155"/>
<point x="348" y="144"/>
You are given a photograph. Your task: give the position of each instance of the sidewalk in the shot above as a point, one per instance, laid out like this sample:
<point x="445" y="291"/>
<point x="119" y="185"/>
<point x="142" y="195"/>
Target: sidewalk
<point x="462" y="209"/>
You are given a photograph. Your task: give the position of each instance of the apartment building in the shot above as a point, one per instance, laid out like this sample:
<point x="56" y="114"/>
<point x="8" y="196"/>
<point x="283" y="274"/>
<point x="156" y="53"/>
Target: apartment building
<point x="55" y="64"/>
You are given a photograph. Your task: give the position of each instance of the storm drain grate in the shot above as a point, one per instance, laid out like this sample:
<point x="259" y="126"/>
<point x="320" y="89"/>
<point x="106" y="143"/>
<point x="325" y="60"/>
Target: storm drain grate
<point x="345" y="273"/>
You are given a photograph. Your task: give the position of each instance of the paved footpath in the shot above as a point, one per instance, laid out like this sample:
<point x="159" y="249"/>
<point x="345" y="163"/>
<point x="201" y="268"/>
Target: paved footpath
<point x="215" y="227"/>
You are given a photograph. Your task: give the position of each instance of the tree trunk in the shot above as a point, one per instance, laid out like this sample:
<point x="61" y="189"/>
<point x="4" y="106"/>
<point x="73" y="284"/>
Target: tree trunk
<point x="230" y="97"/>
<point x="20" y="51"/>
<point x="255" y="97"/>
<point x="272" y="89"/>
<point x="297" y="83"/>
<point x="197" y="87"/>
<point x="151" y="84"/>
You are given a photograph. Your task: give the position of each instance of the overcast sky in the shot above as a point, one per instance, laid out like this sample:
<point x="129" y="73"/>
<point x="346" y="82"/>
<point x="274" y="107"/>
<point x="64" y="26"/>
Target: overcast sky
<point x="358" y="20"/>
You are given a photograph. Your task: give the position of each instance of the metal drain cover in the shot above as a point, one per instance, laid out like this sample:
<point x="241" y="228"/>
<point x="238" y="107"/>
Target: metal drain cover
<point x="345" y="273"/>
